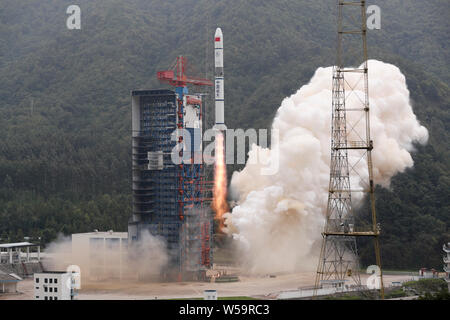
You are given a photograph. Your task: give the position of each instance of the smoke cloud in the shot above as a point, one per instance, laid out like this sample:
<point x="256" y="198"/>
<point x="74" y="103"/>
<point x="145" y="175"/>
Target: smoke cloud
<point x="108" y="260"/>
<point x="279" y="218"/>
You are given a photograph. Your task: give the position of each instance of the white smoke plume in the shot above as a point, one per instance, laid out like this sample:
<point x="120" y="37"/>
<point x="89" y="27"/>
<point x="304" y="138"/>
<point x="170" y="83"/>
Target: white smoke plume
<point x="107" y="261"/>
<point x="279" y="218"/>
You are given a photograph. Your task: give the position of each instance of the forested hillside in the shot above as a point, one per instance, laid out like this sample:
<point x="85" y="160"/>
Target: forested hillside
<point x="65" y="117"/>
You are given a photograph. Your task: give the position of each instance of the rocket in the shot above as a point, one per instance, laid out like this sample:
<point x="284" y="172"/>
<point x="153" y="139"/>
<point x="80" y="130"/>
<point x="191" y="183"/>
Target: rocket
<point x="219" y="81"/>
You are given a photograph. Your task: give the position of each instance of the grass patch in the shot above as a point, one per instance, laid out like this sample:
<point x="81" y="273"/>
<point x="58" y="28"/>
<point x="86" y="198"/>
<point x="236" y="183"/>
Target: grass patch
<point x="423" y="286"/>
<point x="398" y="293"/>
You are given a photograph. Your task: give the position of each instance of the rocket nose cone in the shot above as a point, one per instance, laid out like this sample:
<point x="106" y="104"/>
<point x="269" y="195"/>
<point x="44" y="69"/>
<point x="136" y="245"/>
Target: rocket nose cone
<point x="218" y="32"/>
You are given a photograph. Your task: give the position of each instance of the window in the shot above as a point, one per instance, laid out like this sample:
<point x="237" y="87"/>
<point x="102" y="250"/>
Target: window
<point x="56" y="290"/>
<point x="55" y="298"/>
<point x="50" y="280"/>
<point x="51" y="289"/>
<point x="45" y="280"/>
<point x="56" y="280"/>
<point x="37" y="280"/>
<point x="45" y="289"/>
<point x="37" y="288"/>
<point x="50" y="298"/>
<point x="37" y="297"/>
<point x="45" y="298"/>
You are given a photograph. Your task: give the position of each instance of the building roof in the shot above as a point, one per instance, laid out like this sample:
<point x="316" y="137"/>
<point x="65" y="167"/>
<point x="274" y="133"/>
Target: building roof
<point x="11" y="277"/>
<point x="16" y="245"/>
<point x="52" y="272"/>
<point x="103" y="234"/>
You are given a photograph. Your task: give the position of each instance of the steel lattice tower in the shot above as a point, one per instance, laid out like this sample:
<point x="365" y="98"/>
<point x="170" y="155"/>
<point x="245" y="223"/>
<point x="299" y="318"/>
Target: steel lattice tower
<point x="339" y="254"/>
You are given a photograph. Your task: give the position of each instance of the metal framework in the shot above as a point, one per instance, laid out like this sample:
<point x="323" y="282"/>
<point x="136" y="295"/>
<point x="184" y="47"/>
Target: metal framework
<point x="350" y="139"/>
<point x="170" y="199"/>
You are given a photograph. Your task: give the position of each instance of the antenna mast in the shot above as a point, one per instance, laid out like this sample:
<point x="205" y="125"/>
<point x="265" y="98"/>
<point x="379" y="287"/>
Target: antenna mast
<point x="349" y="140"/>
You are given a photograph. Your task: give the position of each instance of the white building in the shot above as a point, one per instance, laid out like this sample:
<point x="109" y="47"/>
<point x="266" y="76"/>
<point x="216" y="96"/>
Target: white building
<point x="100" y="255"/>
<point x="53" y="285"/>
<point x="446" y="249"/>
<point x="19" y="252"/>
<point x="210" y="294"/>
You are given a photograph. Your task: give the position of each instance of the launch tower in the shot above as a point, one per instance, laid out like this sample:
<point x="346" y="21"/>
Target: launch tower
<point x="350" y="143"/>
<point x="169" y="199"/>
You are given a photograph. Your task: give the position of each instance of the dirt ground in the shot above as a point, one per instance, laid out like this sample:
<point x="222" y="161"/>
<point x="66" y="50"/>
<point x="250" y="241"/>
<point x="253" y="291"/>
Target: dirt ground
<point x="259" y="287"/>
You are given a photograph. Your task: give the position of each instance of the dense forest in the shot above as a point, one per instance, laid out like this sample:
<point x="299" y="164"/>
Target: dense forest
<point x="65" y="120"/>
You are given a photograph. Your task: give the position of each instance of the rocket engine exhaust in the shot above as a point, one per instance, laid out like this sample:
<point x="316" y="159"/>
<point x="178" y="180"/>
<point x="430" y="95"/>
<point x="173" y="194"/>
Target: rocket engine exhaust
<point x="219" y="203"/>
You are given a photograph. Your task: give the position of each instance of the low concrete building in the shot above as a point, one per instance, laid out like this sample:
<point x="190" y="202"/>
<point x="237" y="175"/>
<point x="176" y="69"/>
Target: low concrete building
<point x="19" y="252"/>
<point x="210" y="294"/>
<point x="327" y="287"/>
<point x="100" y="255"/>
<point x="54" y="285"/>
<point x="8" y="282"/>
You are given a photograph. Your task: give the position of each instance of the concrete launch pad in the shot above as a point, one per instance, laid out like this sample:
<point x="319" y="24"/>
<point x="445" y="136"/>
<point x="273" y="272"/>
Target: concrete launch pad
<point x="264" y="287"/>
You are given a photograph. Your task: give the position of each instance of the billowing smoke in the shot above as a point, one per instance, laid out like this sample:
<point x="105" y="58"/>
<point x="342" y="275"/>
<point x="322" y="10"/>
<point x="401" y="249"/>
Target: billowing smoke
<point x="108" y="261"/>
<point x="279" y="218"/>
<point x="147" y="257"/>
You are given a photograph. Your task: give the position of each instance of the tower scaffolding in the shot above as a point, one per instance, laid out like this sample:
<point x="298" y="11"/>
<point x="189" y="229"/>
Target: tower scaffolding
<point x="350" y="139"/>
<point x="170" y="200"/>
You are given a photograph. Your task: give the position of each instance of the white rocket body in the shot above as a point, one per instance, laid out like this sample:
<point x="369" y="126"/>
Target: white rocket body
<point x="219" y="81"/>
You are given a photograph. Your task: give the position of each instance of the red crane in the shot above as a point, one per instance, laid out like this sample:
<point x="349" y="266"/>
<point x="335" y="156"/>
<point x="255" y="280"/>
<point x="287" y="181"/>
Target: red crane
<point x="177" y="76"/>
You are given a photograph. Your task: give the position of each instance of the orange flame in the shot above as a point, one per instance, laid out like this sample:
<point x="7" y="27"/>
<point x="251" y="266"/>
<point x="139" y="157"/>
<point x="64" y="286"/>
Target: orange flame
<point x="219" y="203"/>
